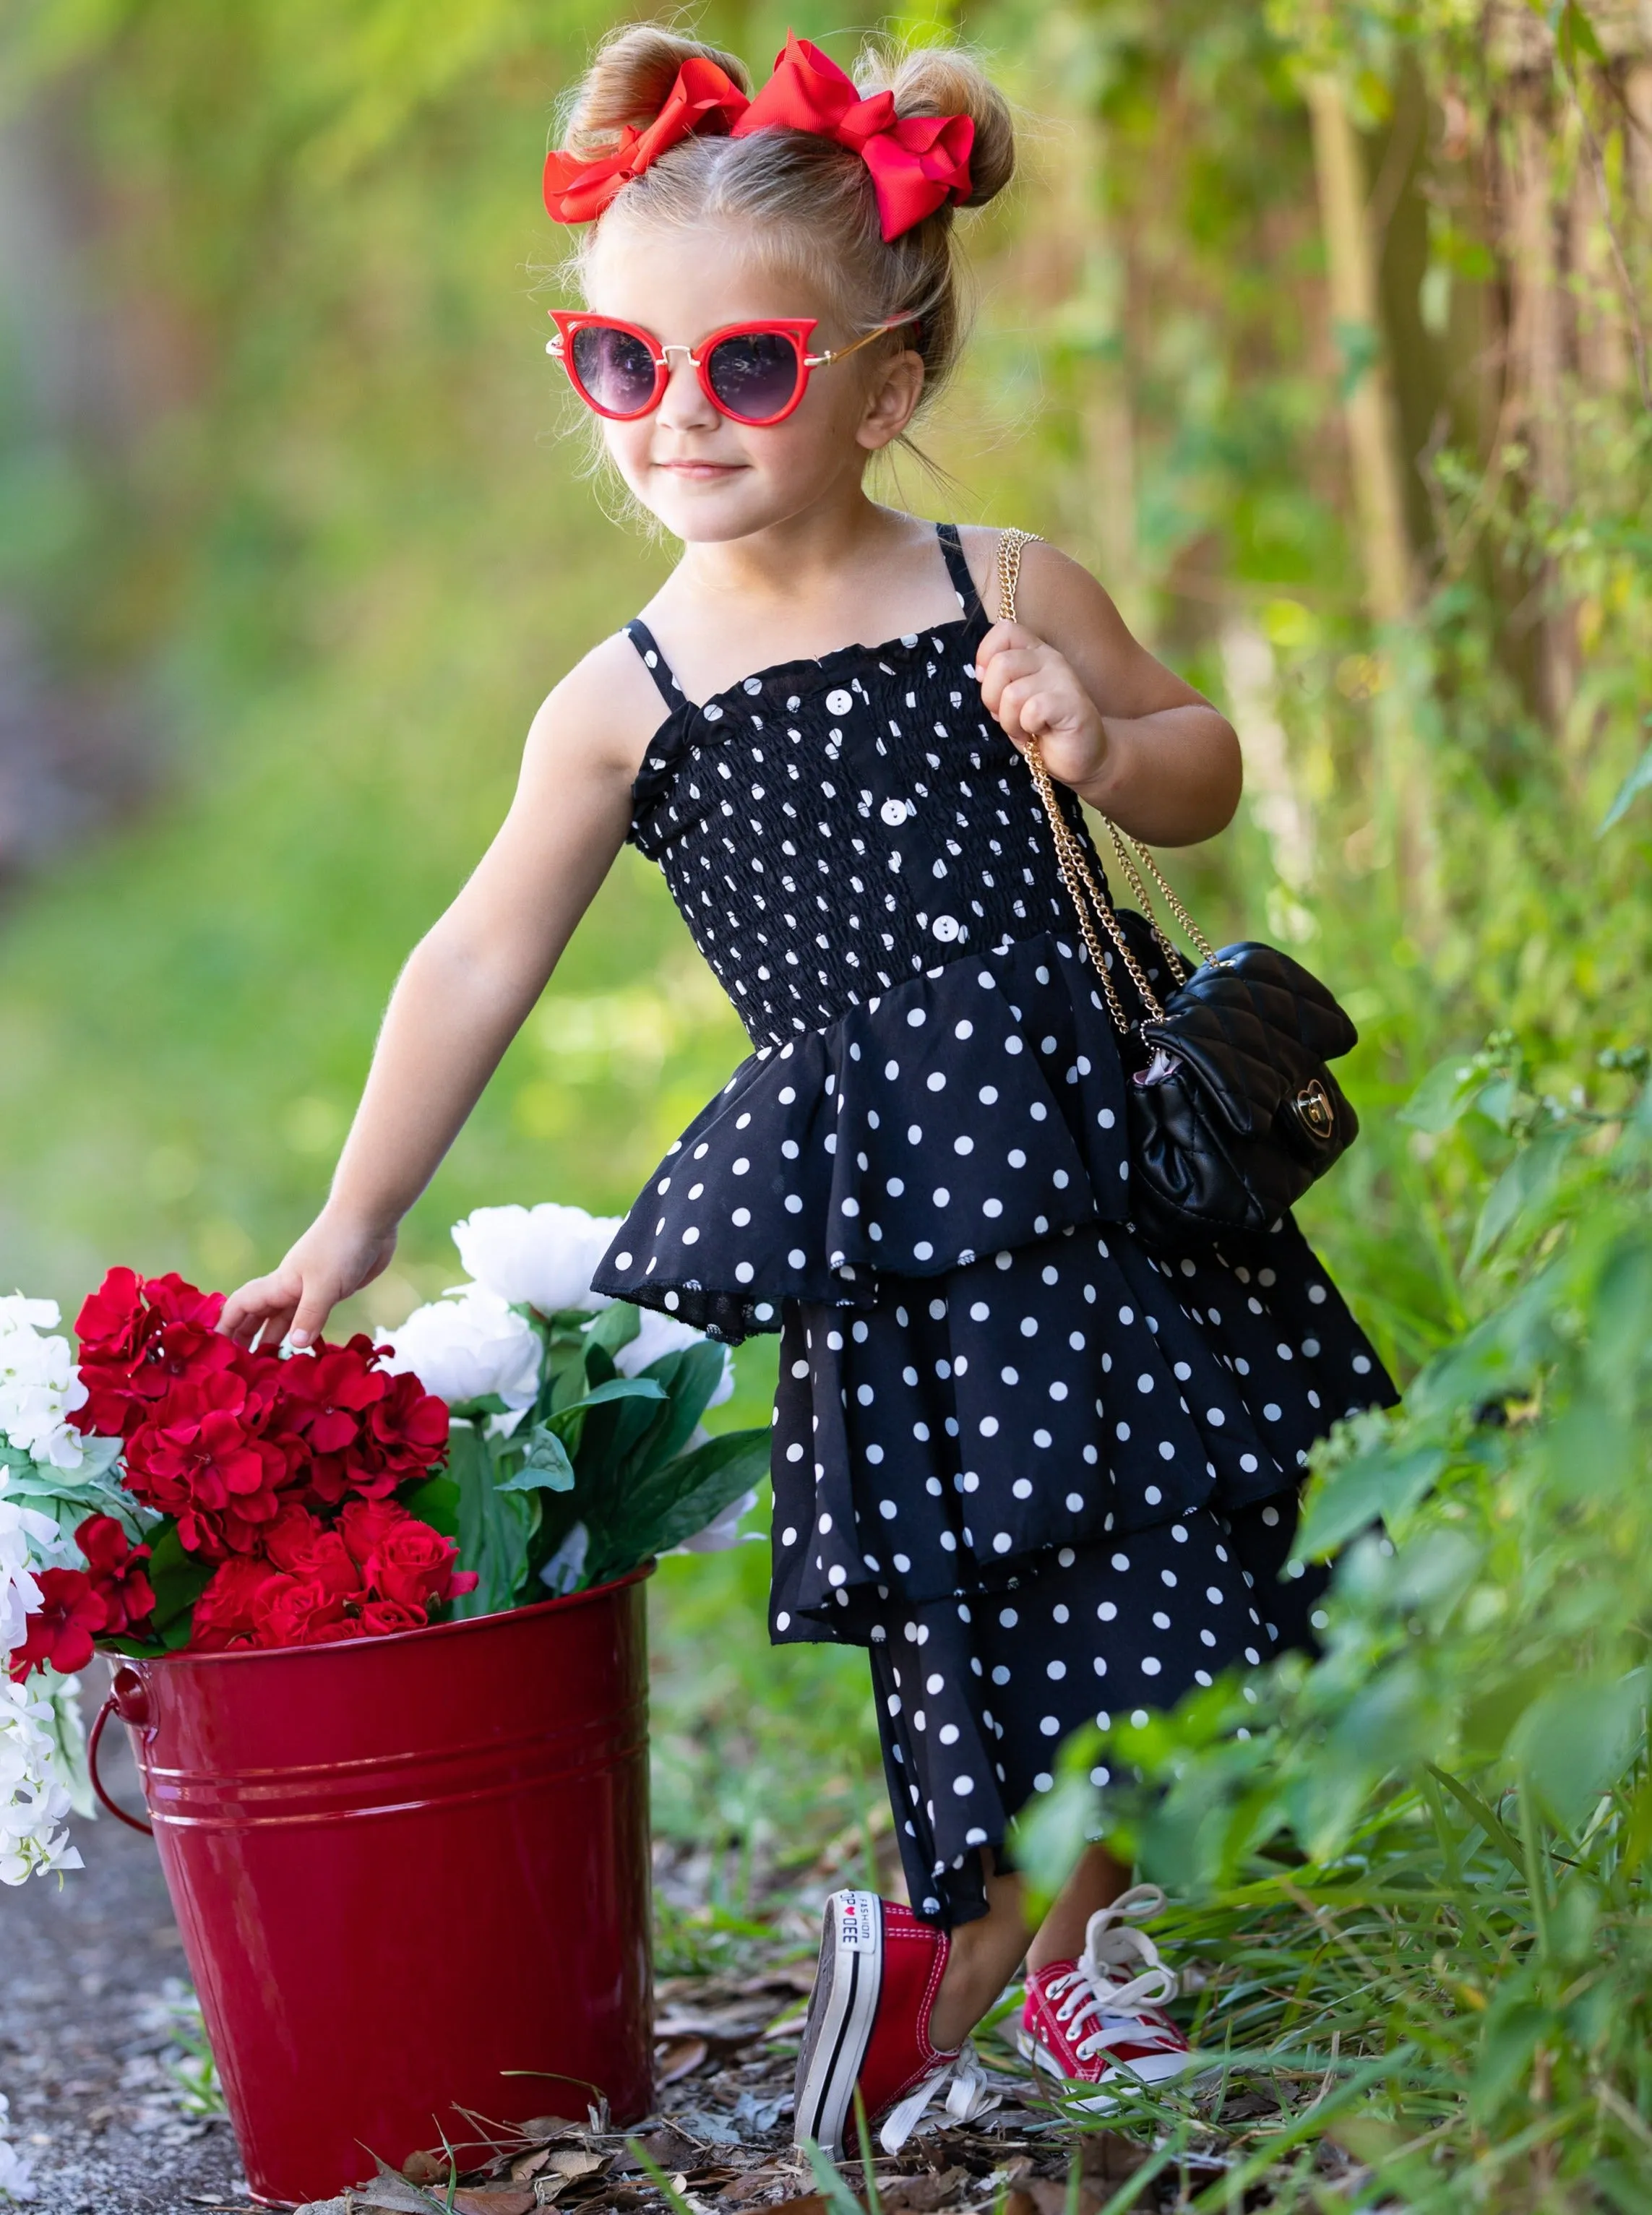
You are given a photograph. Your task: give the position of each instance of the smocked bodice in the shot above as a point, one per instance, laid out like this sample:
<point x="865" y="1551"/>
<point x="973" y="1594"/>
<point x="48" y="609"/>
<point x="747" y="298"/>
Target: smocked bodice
<point x="831" y="828"/>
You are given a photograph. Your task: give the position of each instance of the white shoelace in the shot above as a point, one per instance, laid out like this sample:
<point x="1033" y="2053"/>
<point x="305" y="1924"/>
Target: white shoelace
<point x="968" y="2094"/>
<point x="1118" y="1973"/>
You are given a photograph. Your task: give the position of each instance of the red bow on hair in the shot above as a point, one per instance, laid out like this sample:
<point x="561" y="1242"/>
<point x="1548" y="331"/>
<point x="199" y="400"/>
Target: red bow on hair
<point x="703" y="98"/>
<point x="918" y="162"/>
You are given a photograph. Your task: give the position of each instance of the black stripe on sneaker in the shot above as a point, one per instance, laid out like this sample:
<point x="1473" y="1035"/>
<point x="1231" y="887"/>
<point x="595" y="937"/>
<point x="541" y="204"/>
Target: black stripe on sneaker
<point x="842" y="2011"/>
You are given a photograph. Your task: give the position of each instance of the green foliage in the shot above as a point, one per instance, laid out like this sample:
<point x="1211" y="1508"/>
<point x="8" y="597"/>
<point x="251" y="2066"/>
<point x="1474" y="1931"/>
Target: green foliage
<point x="1456" y="1790"/>
<point x="601" y="1472"/>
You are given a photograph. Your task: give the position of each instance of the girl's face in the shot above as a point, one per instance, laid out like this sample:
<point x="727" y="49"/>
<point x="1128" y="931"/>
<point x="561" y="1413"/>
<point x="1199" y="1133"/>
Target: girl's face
<point x="709" y="479"/>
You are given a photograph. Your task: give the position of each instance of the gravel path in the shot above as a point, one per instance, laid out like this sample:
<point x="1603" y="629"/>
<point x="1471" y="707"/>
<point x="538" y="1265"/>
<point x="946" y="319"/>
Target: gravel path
<point x="90" y="1973"/>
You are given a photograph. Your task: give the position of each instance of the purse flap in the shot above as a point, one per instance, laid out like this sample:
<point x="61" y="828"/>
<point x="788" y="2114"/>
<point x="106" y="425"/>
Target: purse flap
<point x="1254" y="1031"/>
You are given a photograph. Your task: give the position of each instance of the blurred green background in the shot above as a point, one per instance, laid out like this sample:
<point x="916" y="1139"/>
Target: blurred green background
<point x="1318" y="331"/>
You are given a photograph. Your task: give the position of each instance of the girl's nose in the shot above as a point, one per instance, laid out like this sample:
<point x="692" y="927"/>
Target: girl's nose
<point x="683" y="405"/>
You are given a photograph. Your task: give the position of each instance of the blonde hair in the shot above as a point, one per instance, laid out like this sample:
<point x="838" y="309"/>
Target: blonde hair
<point x="803" y="199"/>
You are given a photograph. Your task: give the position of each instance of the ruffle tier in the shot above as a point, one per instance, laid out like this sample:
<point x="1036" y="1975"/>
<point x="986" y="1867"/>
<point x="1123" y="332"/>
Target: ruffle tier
<point x="980" y="1107"/>
<point x="1043" y="1400"/>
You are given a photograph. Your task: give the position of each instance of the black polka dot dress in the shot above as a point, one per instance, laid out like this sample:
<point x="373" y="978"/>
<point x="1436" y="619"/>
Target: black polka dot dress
<point x="1042" y="1472"/>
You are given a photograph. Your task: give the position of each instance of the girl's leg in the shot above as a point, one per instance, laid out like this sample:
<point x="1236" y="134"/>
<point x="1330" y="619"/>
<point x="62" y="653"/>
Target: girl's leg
<point x="986" y="1954"/>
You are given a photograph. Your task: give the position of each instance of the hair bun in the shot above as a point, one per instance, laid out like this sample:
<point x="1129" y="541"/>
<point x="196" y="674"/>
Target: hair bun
<point x="630" y="76"/>
<point x="949" y="81"/>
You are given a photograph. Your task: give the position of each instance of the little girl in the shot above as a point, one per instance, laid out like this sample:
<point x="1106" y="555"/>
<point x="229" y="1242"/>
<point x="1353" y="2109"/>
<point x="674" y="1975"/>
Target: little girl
<point x="1041" y="1473"/>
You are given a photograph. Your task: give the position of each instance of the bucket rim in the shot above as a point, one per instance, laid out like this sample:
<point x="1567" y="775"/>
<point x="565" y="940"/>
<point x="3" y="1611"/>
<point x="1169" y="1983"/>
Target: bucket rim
<point x="338" y="1647"/>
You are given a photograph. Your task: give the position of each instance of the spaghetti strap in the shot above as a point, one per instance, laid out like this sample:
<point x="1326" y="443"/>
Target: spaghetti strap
<point x="968" y="598"/>
<point x="655" y="662"/>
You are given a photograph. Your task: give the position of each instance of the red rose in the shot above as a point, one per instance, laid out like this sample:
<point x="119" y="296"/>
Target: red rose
<point x="381" y="1616"/>
<point x="226" y="1614"/>
<point x="117" y="1574"/>
<point x="59" y="1634"/>
<point x="305" y="1612"/>
<point x="402" y="1559"/>
<point x="297" y="1544"/>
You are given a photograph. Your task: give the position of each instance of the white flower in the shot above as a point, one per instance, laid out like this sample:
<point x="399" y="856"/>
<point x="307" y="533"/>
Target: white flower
<point x="15" y="2180"/>
<point x="28" y="1539"/>
<point x="40" y="1385"/>
<point x="467" y="1346"/>
<point x="722" y="1531"/>
<point x="542" y="1256"/>
<point x="659" y="1334"/>
<point x="35" y="1799"/>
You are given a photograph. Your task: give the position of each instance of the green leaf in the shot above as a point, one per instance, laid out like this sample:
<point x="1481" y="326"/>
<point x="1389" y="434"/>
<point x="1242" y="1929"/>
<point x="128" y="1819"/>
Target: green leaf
<point x="1514" y="2027"/>
<point x="178" y="1580"/>
<point x="614" y="1326"/>
<point x="616" y="1388"/>
<point x="1578" y="1737"/>
<point x="671" y="1503"/>
<point x="545" y="1466"/>
<point x="1444" y="1096"/>
<point x="436" y="1502"/>
<point x="1374" y="1487"/>
<point x="1524" y="1190"/>
<point x="1574" y="36"/>
<point x="1628" y="791"/>
<point x="495" y="1530"/>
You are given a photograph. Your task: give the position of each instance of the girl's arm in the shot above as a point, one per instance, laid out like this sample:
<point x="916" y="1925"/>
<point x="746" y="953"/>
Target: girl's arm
<point x="467" y="988"/>
<point x="1128" y="735"/>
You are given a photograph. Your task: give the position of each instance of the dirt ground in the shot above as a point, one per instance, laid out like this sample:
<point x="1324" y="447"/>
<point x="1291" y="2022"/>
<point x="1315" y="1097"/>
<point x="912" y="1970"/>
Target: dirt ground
<point x="90" y="1973"/>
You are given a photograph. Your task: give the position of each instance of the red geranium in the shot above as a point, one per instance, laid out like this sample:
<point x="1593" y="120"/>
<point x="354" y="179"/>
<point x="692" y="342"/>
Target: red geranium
<point x="138" y="1338"/>
<point x="118" y="1575"/>
<point x="197" y="1461"/>
<point x="109" y="1598"/>
<point x="59" y="1634"/>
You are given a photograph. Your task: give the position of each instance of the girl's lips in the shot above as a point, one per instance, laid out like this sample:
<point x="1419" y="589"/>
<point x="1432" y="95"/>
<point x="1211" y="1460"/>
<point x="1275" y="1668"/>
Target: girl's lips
<point x="698" y="471"/>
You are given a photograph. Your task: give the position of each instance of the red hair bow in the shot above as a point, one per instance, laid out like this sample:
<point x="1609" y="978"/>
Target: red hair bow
<point x="918" y="162"/>
<point x="702" y="98"/>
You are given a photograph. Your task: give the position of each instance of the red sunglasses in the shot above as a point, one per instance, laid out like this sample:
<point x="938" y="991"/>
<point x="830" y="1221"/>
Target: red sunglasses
<point x="753" y="373"/>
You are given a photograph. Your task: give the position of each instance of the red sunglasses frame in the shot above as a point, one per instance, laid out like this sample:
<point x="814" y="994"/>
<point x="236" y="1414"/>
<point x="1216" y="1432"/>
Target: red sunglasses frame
<point x="797" y="329"/>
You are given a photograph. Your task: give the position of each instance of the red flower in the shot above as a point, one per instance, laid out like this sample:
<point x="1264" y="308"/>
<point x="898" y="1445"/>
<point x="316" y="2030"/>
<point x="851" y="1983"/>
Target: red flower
<point x="197" y="1461"/>
<point x="138" y="1339"/>
<point x="410" y="1427"/>
<point x="59" y="1634"/>
<point x="227" y="1613"/>
<point x="403" y="1558"/>
<point x="117" y="1574"/>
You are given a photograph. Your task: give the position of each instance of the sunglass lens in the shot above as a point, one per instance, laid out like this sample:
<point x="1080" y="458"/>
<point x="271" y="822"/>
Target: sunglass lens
<point x="754" y="374"/>
<point x="614" y="368"/>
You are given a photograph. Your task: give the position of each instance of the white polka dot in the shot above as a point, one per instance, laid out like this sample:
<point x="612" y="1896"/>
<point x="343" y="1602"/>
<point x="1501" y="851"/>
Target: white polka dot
<point x="963" y="1786"/>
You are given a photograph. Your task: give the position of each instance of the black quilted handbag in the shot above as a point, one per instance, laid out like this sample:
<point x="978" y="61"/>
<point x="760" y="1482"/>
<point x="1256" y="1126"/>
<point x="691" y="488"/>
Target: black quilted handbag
<point x="1233" y="1111"/>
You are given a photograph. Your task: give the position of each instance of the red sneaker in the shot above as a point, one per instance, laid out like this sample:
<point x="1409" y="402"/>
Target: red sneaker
<point x="869" y="2016"/>
<point x="1096" y="2021"/>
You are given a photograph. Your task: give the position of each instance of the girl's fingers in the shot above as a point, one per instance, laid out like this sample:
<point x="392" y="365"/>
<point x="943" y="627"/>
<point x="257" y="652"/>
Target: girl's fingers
<point x="1002" y="637"/>
<point x="245" y="1310"/>
<point x="1025" y="709"/>
<point x="310" y="1317"/>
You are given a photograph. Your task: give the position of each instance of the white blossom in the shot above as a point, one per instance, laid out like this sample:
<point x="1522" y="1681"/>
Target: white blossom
<point x="544" y="1257"/>
<point x="722" y="1531"/>
<point x="467" y="1346"/>
<point x="15" y="2182"/>
<point x="27" y="1540"/>
<point x="35" y="1798"/>
<point x="39" y="1384"/>
<point x="659" y="1334"/>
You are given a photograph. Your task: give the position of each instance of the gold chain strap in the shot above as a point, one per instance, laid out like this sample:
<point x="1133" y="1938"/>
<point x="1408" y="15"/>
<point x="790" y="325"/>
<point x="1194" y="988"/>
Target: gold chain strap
<point x="1073" y="862"/>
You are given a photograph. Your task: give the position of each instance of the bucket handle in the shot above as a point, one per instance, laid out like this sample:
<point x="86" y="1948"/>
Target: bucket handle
<point x="132" y="1822"/>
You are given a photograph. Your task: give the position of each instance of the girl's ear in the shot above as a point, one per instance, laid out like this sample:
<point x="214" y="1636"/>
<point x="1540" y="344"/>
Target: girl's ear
<point x="892" y="400"/>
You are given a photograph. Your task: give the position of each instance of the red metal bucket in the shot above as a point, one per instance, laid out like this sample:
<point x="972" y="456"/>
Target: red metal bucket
<point x="406" y="1869"/>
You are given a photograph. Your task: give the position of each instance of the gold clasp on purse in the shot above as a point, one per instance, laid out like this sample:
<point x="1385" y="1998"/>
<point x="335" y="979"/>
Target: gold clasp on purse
<point x="1314" y="1112"/>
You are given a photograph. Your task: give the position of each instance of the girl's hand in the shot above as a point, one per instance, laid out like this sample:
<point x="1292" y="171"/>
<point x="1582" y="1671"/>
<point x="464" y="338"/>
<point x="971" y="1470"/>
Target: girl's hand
<point x="1033" y="692"/>
<point x="334" y="1259"/>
